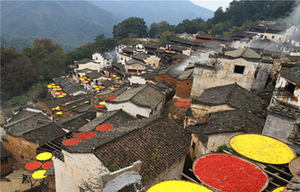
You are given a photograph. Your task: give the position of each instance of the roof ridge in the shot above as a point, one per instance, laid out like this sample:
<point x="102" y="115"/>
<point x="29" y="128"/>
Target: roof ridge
<point x="20" y="120"/>
<point x="36" y="128"/>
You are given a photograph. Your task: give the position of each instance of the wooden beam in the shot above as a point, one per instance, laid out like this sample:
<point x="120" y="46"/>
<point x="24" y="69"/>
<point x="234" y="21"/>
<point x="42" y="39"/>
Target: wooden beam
<point x="279" y="170"/>
<point x="278" y="177"/>
<point x="189" y="178"/>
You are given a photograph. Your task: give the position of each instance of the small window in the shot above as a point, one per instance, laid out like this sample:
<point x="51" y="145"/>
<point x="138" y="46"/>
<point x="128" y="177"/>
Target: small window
<point x="187" y="83"/>
<point x="290" y="88"/>
<point x="239" y="69"/>
<point x="256" y="72"/>
<point x="193" y="145"/>
<point x="4" y="160"/>
<point x="273" y="36"/>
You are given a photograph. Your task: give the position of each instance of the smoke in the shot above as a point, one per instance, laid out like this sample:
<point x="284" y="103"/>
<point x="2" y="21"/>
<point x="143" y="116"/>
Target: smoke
<point x="294" y="18"/>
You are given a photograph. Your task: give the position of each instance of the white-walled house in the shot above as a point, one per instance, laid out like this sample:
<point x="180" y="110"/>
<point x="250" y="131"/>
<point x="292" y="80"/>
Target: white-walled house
<point x="123" y="53"/>
<point x="105" y="60"/>
<point x="219" y="129"/>
<point x="243" y="66"/>
<point x="284" y="108"/>
<point x="142" y="146"/>
<point x="98" y="62"/>
<point x="145" y="100"/>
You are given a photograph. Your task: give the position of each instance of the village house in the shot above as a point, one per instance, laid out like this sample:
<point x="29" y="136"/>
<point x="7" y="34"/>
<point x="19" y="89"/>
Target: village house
<point x="151" y="49"/>
<point x="135" y="67"/>
<point x="124" y="53"/>
<point x="184" y="84"/>
<point x="145" y="100"/>
<point x="142" y="79"/>
<point x="271" y="32"/>
<point x="97" y="62"/>
<point x="284" y="108"/>
<point x="104" y="60"/>
<point x="146" y="146"/>
<point x="25" y="136"/>
<point x="243" y="66"/>
<point x="222" y="98"/>
<point x="220" y="127"/>
<point x="151" y="60"/>
<point x="241" y="40"/>
<point x="6" y="161"/>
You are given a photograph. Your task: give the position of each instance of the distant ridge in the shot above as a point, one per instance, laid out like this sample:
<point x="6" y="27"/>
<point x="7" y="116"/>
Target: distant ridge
<point x="155" y="10"/>
<point x="69" y="23"/>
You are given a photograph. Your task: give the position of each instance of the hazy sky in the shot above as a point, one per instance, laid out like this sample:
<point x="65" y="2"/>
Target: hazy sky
<point x="212" y="4"/>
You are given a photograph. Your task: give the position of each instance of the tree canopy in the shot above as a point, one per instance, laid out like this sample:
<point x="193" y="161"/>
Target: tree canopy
<point x="131" y="27"/>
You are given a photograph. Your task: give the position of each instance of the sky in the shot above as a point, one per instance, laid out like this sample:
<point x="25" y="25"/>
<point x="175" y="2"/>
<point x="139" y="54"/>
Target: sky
<point x="212" y="4"/>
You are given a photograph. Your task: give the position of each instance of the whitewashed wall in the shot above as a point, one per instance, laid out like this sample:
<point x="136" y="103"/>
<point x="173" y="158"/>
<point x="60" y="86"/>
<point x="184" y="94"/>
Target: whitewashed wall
<point x="76" y="170"/>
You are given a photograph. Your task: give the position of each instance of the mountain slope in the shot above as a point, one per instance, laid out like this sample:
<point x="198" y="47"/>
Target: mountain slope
<point x="70" y="23"/>
<point x="155" y="10"/>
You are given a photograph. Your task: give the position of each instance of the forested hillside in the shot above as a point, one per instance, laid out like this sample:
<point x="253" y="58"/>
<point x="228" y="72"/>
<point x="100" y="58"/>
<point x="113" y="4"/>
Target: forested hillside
<point x="69" y="23"/>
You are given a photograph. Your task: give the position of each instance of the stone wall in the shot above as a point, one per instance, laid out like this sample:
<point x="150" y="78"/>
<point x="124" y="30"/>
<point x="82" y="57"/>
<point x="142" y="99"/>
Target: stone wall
<point x="167" y="78"/>
<point x="205" y="78"/>
<point x="23" y="151"/>
<point x="183" y="88"/>
<point x="6" y="165"/>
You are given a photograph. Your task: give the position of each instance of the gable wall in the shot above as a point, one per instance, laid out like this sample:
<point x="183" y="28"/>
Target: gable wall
<point x="19" y="147"/>
<point x="204" y="78"/>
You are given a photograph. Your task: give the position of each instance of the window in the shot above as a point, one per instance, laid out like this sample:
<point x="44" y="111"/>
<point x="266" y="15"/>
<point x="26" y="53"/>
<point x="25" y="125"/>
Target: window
<point x="187" y="83"/>
<point x="256" y="72"/>
<point x="273" y="36"/>
<point x="4" y="160"/>
<point x="290" y="88"/>
<point x="239" y="69"/>
<point x="193" y="145"/>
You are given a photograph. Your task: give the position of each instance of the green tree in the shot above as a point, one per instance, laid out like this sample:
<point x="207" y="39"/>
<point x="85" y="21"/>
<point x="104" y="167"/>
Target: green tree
<point x="165" y="37"/>
<point x="131" y="27"/>
<point x="156" y="29"/>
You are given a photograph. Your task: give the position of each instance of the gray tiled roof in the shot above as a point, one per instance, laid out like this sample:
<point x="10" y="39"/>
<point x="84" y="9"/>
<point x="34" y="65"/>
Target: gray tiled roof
<point x="44" y="134"/>
<point x="283" y="109"/>
<point x="22" y="126"/>
<point x="229" y="122"/>
<point x="94" y="75"/>
<point x="145" y="95"/>
<point x="292" y="74"/>
<point x="59" y="101"/>
<point x="69" y="86"/>
<point x="140" y="56"/>
<point x="116" y="118"/>
<point x="158" y="144"/>
<point x="21" y="115"/>
<point x="246" y="53"/>
<point x="107" y="136"/>
<point x="188" y="74"/>
<point x="233" y="95"/>
<point x="135" y="62"/>
<point x="73" y="123"/>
